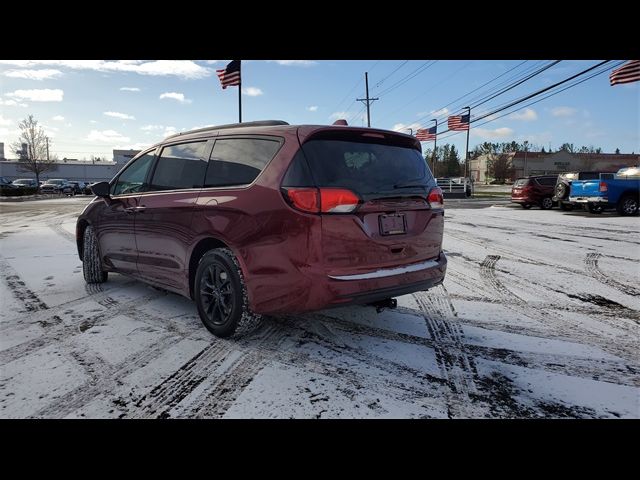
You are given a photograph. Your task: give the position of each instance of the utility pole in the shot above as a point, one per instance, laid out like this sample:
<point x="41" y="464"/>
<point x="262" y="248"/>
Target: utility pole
<point x="368" y="101"/>
<point x="526" y="143"/>
<point x="47" y="139"/>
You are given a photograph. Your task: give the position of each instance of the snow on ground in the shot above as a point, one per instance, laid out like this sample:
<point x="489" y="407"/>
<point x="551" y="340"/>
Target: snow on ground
<point x="538" y="317"/>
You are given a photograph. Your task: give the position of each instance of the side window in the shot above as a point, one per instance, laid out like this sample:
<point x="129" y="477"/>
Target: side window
<point x="238" y="161"/>
<point x="180" y="166"/>
<point x="546" y="181"/>
<point x="132" y="179"/>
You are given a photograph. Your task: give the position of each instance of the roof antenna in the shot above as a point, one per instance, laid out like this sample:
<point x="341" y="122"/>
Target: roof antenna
<point x="340" y="121"/>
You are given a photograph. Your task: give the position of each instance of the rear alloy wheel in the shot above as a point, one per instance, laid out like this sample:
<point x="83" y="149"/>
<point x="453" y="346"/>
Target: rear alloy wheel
<point x="221" y="295"/>
<point x="628" y="205"/>
<point x="526" y="206"/>
<point x="595" y="208"/>
<point x="562" y="191"/>
<point x="91" y="260"/>
<point x="547" y="203"/>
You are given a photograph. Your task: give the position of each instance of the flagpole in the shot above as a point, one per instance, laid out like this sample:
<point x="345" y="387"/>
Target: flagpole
<point x="435" y="144"/>
<point x="466" y="158"/>
<point x="240" y="93"/>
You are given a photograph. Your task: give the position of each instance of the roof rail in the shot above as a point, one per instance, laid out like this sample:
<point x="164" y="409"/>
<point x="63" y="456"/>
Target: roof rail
<point x="259" y="123"/>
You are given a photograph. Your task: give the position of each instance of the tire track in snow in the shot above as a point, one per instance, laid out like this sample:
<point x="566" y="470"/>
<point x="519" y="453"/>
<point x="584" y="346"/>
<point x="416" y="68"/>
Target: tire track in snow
<point x="29" y="300"/>
<point x="488" y="275"/>
<point x="593" y="269"/>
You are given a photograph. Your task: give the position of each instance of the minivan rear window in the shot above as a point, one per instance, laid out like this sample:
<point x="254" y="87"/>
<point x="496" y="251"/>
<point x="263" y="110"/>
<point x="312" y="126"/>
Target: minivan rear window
<point x="368" y="169"/>
<point x="521" y="182"/>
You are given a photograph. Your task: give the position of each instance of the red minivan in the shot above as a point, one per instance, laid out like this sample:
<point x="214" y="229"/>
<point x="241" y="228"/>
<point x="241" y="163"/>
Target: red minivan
<point x="267" y="218"/>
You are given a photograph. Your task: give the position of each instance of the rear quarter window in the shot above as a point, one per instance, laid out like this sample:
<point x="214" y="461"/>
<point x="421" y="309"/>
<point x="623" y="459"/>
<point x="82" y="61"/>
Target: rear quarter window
<point x="238" y="161"/>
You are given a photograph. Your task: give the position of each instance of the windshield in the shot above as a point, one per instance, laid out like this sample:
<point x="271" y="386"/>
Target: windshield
<point x="368" y="168"/>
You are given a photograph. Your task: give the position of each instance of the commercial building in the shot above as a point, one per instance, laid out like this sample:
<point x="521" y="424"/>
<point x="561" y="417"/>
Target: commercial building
<point x="72" y="169"/>
<point x="526" y="163"/>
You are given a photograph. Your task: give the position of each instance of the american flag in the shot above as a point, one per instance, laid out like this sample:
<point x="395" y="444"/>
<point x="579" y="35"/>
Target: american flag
<point x="629" y="72"/>
<point x="424" y="134"/>
<point x="230" y="76"/>
<point x="458" y="122"/>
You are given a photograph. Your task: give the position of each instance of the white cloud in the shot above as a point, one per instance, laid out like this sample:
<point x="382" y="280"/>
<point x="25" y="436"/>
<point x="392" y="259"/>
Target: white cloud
<point x="527" y="115"/>
<point x="132" y="146"/>
<point x="12" y="103"/>
<point x="169" y="131"/>
<point x="149" y="128"/>
<point x="438" y="113"/>
<point x="42" y="95"/>
<point x="337" y="115"/>
<point x="562" y="111"/>
<point x="58" y="118"/>
<point x="211" y="62"/>
<point x="123" y="116"/>
<point x="7" y="132"/>
<point x="42" y="74"/>
<point x="295" y="63"/>
<point x="312" y="108"/>
<point x="175" y="96"/>
<point x="492" y="134"/>
<point x="129" y="89"/>
<point x="107" y="136"/>
<point x="5" y="121"/>
<point x="252" y="91"/>
<point x="92" y="121"/>
<point x="179" y="68"/>
<point x="404" y="127"/>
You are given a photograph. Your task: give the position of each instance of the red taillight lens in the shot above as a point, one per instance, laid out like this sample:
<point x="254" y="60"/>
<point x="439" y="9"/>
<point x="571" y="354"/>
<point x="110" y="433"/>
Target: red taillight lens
<point x="435" y="198"/>
<point x="338" y="200"/>
<point x="322" y="200"/>
<point x="603" y="187"/>
<point x="305" y="199"/>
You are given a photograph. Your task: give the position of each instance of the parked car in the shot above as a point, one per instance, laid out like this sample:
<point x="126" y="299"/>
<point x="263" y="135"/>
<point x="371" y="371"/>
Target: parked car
<point x="268" y="218"/>
<point x="5" y="184"/>
<point x="563" y="185"/>
<point x="536" y="190"/>
<point x="25" y="182"/>
<point x="77" y="187"/>
<point x="87" y="188"/>
<point x="56" y="185"/>
<point x="621" y="192"/>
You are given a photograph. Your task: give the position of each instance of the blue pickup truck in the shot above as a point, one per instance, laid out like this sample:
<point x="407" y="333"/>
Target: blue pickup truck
<point x="622" y="192"/>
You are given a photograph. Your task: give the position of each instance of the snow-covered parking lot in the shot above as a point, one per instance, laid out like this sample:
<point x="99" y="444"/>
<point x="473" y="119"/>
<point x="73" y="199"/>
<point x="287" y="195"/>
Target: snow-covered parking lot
<point x="538" y="317"/>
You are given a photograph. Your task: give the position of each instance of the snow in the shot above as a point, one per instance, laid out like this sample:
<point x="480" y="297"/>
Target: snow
<point x="539" y="316"/>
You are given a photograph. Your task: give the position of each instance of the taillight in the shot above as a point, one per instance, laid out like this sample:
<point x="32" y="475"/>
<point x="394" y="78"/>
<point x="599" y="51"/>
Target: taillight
<point x="305" y="199"/>
<point x="322" y="200"/>
<point x="435" y="198"/>
<point x="603" y="187"/>
<point x="338" y="200"/>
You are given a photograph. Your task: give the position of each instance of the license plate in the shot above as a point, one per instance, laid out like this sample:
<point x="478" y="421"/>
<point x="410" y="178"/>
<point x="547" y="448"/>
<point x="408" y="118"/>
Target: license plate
<point x="392" y="224"/>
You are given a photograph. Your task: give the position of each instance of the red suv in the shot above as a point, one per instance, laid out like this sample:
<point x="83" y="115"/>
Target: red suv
<point x="536" y="190"/>
<point x="267" y="218"/>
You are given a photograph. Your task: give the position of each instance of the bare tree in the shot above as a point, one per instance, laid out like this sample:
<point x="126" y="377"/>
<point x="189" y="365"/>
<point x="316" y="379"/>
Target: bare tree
<point x="36" y="159"/>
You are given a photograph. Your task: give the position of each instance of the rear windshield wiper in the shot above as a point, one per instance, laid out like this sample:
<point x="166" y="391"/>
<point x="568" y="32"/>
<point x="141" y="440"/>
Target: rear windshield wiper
<point x="410" y="185"/>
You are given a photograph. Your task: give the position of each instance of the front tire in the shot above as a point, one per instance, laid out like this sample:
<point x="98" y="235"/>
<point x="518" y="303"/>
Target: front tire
<point x="221" y="295"/>
<point x="91" y="260"/>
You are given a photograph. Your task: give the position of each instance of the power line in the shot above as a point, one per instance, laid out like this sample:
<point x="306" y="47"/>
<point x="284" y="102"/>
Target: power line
<point x="408" y="77"/>
<point x="385" y="78"/>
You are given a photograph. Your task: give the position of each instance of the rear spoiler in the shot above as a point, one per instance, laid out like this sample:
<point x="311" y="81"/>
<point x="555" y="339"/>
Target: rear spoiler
<point x="358" y="134"/>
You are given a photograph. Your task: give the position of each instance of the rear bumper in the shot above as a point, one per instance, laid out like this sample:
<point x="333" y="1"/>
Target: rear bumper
<point x="589" y="199"/>
<point x="316" y="291"/>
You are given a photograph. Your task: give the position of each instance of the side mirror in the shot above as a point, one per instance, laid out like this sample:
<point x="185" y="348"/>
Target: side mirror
<point x="101" y="189"/>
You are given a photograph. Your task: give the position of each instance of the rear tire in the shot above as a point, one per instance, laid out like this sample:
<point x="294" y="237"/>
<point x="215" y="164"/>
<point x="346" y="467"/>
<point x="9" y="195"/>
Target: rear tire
<point x="91" y="260"/>
<point x="546" y="203"/>
<point x="220" y="294"/>
<point x="628" y="205"/>
<point x="594" y="208"/>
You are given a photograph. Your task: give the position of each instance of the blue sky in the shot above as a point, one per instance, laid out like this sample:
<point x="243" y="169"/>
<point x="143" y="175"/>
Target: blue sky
<point x="91" y="107"/>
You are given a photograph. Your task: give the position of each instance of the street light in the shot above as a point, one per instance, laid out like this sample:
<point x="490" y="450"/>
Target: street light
<point x="435" y="144"/>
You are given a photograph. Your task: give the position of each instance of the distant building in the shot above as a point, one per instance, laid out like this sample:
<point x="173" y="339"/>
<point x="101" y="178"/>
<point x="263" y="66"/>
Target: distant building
<point x="73" y="169"/>
<point x="538" y="163"/>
